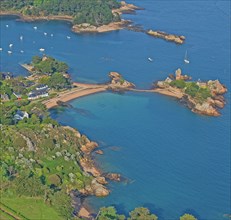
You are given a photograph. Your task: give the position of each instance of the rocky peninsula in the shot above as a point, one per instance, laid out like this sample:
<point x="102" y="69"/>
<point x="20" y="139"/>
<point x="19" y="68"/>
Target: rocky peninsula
<point x="205" y="98"/>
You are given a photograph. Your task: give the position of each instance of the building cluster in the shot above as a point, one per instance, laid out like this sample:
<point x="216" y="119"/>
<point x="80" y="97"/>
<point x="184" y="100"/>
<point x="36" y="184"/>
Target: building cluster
<point x="40" y="91"/>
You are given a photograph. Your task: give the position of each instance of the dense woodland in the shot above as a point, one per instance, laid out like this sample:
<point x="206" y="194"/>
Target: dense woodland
<point x="94" y="12"/>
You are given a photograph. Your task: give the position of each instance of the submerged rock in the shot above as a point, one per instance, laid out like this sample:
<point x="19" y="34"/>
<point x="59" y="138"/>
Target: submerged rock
<point x="99" y="152"/>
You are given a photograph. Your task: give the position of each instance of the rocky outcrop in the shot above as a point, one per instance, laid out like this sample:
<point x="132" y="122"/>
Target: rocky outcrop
<point x="95" y="188"/>
<point x="101" y="180"/>
<point x="179" y="76"/>
<point x="205" y="108"/>
<point x="168" y="37"/>
<point x="118" y="82"/>
<point x="89" y="147"/>
<point x="88" y="166"/>
<point x="216" y="87"/>
<point x="113" y="176"/>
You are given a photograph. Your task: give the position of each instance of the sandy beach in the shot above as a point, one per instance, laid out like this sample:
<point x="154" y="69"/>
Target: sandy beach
<point x="74" y="94"/>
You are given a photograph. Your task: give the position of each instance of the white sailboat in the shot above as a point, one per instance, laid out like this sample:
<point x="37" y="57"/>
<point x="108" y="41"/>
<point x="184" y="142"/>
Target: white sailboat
<point x="0" y="49"/>
<point x="35" y="27"/>
<point x="9" y="52"/>
<point x="68" y="37"/>
<point x="185" y="58"/>
<point x="21" y="37"/>
<point x="10" y="45"/>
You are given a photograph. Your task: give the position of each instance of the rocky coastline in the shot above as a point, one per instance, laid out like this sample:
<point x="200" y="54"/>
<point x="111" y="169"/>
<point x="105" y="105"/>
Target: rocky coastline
<point x="205" y="98"/>
<point x="97" y="185"/>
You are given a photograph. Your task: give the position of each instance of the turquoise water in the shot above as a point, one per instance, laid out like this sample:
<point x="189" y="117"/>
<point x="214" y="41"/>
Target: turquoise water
<point x="176" y="161"/>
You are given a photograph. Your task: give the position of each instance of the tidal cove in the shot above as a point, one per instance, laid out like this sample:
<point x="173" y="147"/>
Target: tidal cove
<point x="175" y="160"/>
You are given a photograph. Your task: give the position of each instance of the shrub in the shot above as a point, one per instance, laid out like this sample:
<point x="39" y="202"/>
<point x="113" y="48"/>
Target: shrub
<point x="178" y="83"/>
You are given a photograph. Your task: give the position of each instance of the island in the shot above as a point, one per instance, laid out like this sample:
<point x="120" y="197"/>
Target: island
<point x="204" y="98"/>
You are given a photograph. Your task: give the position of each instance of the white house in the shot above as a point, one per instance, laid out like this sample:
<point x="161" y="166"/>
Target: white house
<point x="20" y="115"/>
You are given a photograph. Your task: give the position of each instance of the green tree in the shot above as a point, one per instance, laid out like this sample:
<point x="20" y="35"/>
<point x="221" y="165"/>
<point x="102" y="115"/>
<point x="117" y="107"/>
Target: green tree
<point x="192" y="89"/>
<point x="61" y="67"/>
<point x="36" y="60"/>
<point x="58" y="81"/>
<point x="178" y="83"/>
<point x="62" y="203"/>
<point x="108" y="213"/>
<point x="28" y="184"/>
<point x="34" y="119"/>
<point x="141" y="213"/>
<point x="187" y="217"/>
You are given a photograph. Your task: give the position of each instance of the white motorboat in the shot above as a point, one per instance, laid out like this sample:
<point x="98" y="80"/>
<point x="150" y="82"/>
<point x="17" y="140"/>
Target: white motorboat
<point x="150" y="59"/>
<point x="41" y="49"/>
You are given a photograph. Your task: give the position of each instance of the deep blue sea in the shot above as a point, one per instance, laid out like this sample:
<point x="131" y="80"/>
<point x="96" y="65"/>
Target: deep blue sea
<point x="176" y="161"/>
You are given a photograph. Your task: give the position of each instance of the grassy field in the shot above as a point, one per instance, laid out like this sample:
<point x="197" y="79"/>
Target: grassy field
<point x="5" y="216"/>
<point x="30" y="208"/>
